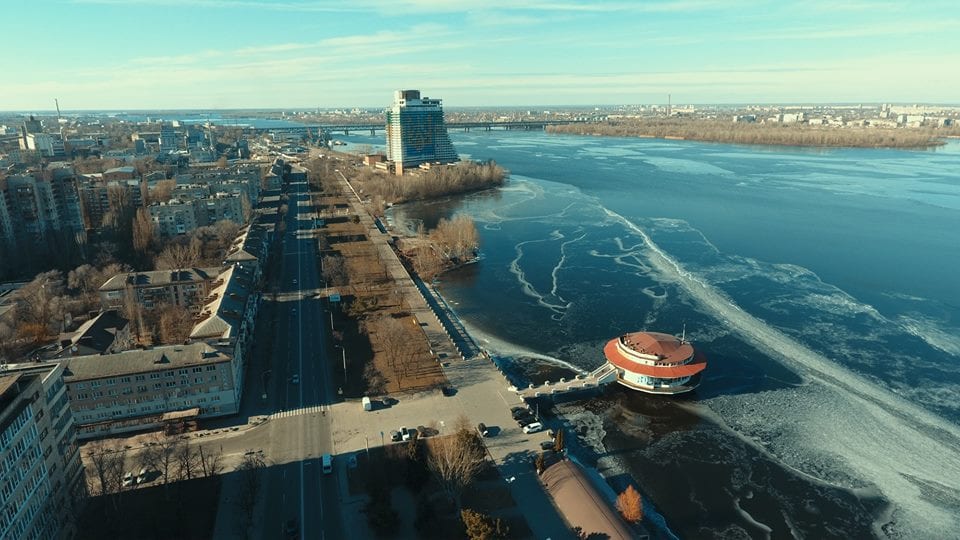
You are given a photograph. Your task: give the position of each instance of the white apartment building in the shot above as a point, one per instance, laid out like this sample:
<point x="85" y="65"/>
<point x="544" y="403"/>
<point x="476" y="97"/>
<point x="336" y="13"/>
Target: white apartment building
<point x="41" y="477"/>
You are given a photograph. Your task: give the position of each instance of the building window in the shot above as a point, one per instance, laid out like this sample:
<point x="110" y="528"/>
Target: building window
<point x="198" y="380"/>
<point x="157" y="386"/>
<point x="141" y="389"/>
<point x="212" y="367"/>
<point x="213" y="378"/>
<point x="197" y="369"/>
<point x="141" y="377"/>
<point x="111" y="382"/>
<point x="171" y="383"/>
<point x="154" y="375"/>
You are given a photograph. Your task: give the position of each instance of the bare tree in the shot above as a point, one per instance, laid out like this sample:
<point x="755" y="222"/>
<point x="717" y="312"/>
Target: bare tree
<point x="98" y="455"/>
<point x="455" y="461"/>
<point x="144" y="231"/>
<point x="133" y="311"/>
<point x="188" y="461"/>
<point x="250" y="481"/>
<point x="173" y="324"/>
<point x="177" y="256"/>
<point x="211" y="461"/>
<point x="334" y="270"/>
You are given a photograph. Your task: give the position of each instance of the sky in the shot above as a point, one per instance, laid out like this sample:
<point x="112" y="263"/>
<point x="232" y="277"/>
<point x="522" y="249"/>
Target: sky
<point x="212" y="54"/>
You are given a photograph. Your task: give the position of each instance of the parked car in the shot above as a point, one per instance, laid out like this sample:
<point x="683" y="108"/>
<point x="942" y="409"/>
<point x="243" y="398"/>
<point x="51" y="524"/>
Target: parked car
<point x="367" y="404"/>
<point x="448" y="391"/>
<point x="142" y="475"/>
<point x="520" y="412"/>
<point x="395" y="436"/>
<point x="295" y="378"/>
<point x="327" y="462"/>
<point x="546" y="445"/>
<point x="404" y="434"/>
<point x="533" y="428"/>
<point x="524" y="420"/>
<point x="128" y="479"/>
<point x="482" y="429"/>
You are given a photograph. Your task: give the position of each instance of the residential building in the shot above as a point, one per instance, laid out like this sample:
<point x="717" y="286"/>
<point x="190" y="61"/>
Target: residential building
<point x="133" y="390"/>
<point x="174" y="217"/>
<point x="101" y="197"/>
<point x="185" y="288"/>
<point x="108" y="332"/>
<point x="228" y="315"/>
<point x="416" y="132"/>
<point x="41" y="477"/>
<point x="38" y="205"/>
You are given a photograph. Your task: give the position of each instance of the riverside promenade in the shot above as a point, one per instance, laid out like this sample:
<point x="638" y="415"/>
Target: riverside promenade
<point x="482" y="396"/>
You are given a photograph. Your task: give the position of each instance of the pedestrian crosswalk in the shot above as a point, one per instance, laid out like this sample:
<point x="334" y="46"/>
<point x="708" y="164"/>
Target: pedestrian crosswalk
<point x="316" y="409"/>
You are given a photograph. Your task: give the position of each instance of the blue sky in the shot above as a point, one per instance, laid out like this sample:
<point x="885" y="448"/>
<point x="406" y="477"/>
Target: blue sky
<point x="116" y="54"/>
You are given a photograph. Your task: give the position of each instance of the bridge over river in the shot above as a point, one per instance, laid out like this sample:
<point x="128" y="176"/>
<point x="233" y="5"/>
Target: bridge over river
<point x="523" y="125"/>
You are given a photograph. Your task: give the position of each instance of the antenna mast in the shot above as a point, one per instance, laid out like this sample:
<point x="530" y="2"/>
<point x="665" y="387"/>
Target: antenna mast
<point x="683" y="336"/>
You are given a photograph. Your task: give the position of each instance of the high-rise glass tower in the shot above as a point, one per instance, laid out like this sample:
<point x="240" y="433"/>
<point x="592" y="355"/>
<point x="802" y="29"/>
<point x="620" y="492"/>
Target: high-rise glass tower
<point x="416" y="132"/>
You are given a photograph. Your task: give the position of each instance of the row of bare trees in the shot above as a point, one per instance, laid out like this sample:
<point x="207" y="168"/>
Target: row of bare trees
<point x="166" y="458"/>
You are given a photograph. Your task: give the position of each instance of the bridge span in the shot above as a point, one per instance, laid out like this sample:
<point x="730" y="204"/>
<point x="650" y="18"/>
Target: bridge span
<point x="524" y="125"/>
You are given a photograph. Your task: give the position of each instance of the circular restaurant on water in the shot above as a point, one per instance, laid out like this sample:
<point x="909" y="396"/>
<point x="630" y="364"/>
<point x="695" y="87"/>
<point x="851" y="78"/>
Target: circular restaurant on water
<point x="655" y="363"/>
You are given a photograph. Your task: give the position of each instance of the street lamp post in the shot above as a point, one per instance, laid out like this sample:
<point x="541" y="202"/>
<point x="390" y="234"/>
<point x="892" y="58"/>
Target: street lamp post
<point x="343" y="352"/>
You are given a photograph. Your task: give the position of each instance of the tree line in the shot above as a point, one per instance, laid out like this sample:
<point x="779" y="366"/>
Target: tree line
<point x="757" y="133"/>
<point x="438" y="181"/>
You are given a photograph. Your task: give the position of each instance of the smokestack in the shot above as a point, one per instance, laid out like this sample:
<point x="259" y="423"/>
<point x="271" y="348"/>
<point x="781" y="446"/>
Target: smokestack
<point x="57" y="103"/>
<point x="668" y="105"/>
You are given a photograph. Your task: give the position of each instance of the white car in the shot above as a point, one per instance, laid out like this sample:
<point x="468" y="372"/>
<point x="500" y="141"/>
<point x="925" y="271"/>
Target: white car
<point x="295" y="379"/>
<point x="404" y="434"/>
<point x="142" y="475"/>
<point x="128" y="479"/>
<point x="533" y="428"/>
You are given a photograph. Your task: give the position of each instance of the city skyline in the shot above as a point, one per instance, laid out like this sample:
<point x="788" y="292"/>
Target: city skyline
<point x="221" y="54"/>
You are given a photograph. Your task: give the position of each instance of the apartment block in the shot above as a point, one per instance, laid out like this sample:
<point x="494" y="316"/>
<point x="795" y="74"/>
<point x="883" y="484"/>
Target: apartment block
<point x="37" y="205"/>
<point x="41" y="477"/>
<point x="185" y="288"/>
<point x="133" y="390"/>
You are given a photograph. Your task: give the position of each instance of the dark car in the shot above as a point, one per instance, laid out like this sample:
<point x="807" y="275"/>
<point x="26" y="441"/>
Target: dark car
<point x="395" y="436"/>
<point x="525" y="421"/>
<point x="546" y="445"/>
<point x="448" y="391"/>
<point x="291" y="528"/>
<point x="482" y="429"/>
<point x="520" y="412"/>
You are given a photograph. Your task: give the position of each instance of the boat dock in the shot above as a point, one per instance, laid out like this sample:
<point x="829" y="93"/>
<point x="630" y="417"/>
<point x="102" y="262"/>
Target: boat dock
<point x="605" y="374"/>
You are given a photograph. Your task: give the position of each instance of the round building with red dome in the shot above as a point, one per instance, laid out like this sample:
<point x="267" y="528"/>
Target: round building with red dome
<point x="655" y="363"/>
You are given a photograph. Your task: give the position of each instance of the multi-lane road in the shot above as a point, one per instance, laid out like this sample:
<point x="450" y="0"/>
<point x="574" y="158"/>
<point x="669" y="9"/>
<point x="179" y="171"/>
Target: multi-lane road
<point x="294" y="487"/>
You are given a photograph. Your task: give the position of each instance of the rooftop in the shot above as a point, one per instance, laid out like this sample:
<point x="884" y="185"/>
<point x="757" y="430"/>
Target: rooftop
<point x="159" y="278"/>
<point x="96" y="366"/>
<point x="581" y="503"/>
<point x="224" y="307"/>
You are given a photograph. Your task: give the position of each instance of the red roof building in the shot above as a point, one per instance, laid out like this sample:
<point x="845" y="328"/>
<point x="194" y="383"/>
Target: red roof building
<point x="655" y="363"/>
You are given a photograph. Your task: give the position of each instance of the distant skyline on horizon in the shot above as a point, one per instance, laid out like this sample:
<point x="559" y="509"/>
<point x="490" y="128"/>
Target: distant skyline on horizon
<point x="298" y="55"/>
